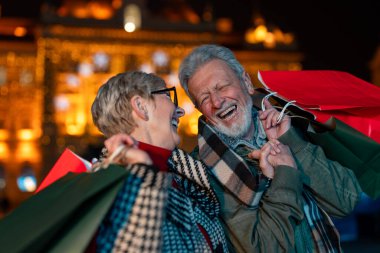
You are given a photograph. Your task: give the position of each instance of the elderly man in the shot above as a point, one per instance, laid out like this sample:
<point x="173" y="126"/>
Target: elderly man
<point x="275" y="208"/>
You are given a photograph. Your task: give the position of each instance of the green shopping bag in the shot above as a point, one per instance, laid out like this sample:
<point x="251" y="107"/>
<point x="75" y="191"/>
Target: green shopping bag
<point x="339" y="141"/>
<point x="64" y="216"/>
<point x="353" y="150"/>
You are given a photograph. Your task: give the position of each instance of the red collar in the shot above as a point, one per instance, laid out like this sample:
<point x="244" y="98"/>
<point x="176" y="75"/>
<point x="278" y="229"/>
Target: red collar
<point x="158" y="155"/>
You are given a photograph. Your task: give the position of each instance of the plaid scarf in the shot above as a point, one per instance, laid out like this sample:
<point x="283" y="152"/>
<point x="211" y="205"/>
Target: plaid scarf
<point x="228" y="167"/>
<point x="325" y="235"/>
<point x="233" y="172"/>
<point x="134" y="222"/>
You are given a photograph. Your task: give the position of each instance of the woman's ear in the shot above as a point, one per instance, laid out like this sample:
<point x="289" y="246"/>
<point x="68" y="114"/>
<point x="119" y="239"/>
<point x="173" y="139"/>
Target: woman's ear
<point x="248" y="83"/>
<point x="139" y="107"/>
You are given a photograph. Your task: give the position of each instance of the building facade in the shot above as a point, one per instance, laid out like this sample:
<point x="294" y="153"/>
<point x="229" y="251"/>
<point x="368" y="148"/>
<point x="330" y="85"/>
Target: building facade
<point x="48" y="83"/>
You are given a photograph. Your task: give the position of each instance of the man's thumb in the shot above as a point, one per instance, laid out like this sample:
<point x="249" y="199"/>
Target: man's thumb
<point x="255" y="154"/>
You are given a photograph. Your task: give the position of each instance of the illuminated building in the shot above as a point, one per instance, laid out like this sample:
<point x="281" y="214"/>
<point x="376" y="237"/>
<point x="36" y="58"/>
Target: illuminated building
<point x="47" y="83"/>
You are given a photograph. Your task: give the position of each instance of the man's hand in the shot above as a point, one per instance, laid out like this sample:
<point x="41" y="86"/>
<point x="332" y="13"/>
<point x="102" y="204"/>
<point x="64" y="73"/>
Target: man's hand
<point x="131" y="155"/>
<point x="271" y="155"/>
<point x="269" y="117"/>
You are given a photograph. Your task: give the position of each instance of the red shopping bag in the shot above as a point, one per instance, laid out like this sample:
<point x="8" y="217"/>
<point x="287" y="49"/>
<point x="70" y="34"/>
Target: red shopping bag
<point x="67" y="162"/>
<point x="329" y="94"/>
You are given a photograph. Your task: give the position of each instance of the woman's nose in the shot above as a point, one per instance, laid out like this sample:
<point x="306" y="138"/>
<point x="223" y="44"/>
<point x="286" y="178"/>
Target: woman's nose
<point x="179" y="112"/>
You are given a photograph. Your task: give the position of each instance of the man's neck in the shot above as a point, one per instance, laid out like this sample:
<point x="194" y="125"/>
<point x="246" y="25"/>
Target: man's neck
<point x="248" y="136"/>
<point x="254" y="138"/>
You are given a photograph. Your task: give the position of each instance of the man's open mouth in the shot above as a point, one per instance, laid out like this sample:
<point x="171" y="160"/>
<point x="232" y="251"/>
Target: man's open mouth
<point x="228" y="113"/>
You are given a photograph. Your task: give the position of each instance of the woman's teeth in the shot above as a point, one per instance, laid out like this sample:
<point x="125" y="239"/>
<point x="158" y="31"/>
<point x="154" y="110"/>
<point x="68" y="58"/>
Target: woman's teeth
<point x="174" y="123"/>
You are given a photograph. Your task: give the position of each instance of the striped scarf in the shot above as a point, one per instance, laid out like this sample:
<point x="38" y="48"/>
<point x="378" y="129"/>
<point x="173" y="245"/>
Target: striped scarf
<point x="233" y="172"/>
<point x="192" y="177"/>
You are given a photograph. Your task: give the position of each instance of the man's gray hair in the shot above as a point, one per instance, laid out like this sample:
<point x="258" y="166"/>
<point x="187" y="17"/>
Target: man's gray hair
<point x="202" y="55"/>
<point x="111" y="109"/>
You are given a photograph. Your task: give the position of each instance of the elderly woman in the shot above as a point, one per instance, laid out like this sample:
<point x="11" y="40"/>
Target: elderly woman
<point x="167" y="203"/>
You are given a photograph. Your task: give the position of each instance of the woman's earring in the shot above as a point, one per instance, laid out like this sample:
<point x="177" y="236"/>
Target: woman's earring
<point x="146" y="114"/>
<point x="143" y="108"/>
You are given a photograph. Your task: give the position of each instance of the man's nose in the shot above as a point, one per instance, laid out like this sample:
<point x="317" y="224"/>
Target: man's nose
<point x="216" y="100"/>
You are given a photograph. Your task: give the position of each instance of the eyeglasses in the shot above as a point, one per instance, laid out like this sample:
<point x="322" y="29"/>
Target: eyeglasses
<point x="167" y="91"/>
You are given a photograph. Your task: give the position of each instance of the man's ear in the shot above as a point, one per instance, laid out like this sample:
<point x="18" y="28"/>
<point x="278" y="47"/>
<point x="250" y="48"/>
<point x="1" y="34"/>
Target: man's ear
<point x="139" y="107"/>
<point x="247" y="82"/>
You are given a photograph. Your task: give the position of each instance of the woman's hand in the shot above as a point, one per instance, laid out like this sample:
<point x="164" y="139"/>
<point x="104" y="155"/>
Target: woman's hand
<point x="131" y="154"/>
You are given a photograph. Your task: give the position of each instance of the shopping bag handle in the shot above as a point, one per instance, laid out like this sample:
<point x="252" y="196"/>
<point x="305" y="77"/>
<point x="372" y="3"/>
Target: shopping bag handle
<point x="121" y="149"/>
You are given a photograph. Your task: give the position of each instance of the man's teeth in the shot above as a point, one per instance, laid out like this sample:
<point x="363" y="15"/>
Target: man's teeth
<point x="227" y="112"/>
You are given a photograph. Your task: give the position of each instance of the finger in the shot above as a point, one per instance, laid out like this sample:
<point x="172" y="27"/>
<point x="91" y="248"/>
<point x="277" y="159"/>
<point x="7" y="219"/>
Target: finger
<point x="262" y="156"/>
<point x="115" y="138"/>
<point x="266" y="148"/>
<point x="264" y="114"/>
<point x="270" y="118"/>
<point x="110" y="144"/>
<point x="255" y="154"/>
<point x="267" y="104"/>
<point x="275" y="149"/>
<point x="260" y="114"/>
<point x="117" y="154"/>
<point x="119" y="139"/>
<point x="274" y="119"/>
<point x="125" y="139"/>
<point x="265" y="152"/>
<point x="270" y="147"/>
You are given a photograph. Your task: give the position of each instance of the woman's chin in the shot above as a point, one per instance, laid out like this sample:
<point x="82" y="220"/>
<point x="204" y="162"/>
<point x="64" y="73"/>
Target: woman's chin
<point x="176" y="140"/>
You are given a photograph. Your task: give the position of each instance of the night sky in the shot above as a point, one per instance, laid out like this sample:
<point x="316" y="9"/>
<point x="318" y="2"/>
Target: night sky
<point x="332" y="34"/>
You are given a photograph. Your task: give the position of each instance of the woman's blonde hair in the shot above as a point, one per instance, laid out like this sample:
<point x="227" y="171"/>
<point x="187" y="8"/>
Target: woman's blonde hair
<point x="111" y="109"/>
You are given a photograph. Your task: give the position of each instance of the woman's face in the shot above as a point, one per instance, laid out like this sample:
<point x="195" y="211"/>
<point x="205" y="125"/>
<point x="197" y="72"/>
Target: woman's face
<point x="163" y="120"/>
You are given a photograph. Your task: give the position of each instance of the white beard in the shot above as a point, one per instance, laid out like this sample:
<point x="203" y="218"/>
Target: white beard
<point x="238" y="129"/>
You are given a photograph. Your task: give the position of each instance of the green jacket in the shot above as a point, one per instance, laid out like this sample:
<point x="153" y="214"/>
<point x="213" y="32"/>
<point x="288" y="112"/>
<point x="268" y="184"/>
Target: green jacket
<point x="279" y="225"/>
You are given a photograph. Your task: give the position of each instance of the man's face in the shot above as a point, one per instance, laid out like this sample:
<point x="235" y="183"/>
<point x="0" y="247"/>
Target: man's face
<point x="222" y="98"/>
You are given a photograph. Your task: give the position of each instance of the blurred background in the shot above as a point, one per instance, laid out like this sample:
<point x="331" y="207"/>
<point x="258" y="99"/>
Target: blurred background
<point x="54" y="55"/>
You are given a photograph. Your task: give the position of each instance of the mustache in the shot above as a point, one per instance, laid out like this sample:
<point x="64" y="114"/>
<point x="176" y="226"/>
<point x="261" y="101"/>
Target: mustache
<point x="225" y="107"/>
